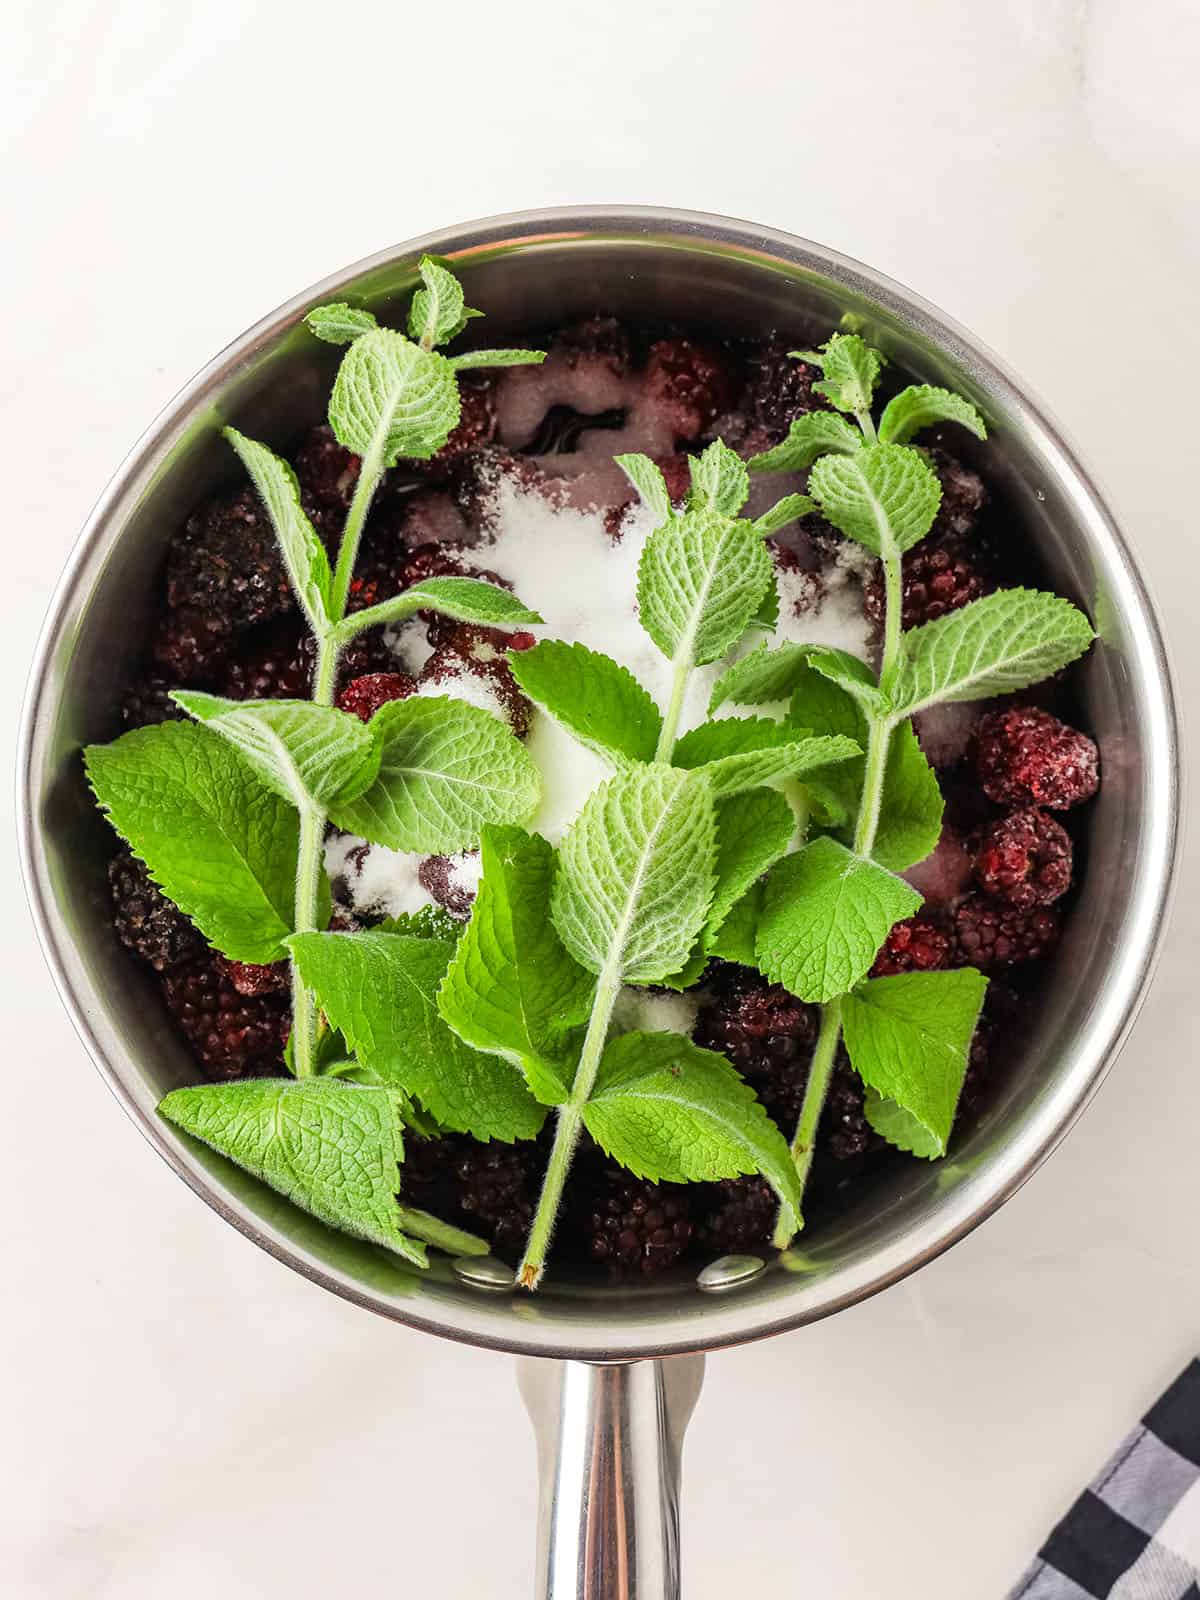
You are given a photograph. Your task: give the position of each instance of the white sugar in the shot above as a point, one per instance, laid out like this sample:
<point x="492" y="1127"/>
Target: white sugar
<point x="466" y="870"/>
<point x="639" y="1011"/>
<point x="379" y="881"/>
<point x="466" y="686"/>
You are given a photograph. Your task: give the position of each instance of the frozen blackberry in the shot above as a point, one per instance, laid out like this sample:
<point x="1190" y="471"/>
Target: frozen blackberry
<point x="232" y="1035"/>
<point x="327" y="471"/>
<point x="989" y="934"/>
<point x="596" y="336"/>
<point x="736" y="1214"/>
<point x="1025" y="859"/>
<point x="227" y="564"/>
<point x="1026" y="757"/>
<point x="276" y="662"/>
<point x="251" y="980"/>
<point x="936" y="580"/>
<point x="147" y="923"/>
<point x="688" y="383"/>
<point x="964" y="496"/>
<point x="469" y="664"/>
<point x="149" y="702"/>
<point x="638" y="1227"/>
<point x="765" y="1032"/>
<point x="779" y="390"/>
<point x="476" y="427"/>
<point x="438" y="877"/>
<point x="191" y="645"/>
<point x="844" y="1133"/>
<point x="498" y="1190"/>
<point x="915" y="945"/>
<point x="362" y="697"/>
<point x="479" y="477"/>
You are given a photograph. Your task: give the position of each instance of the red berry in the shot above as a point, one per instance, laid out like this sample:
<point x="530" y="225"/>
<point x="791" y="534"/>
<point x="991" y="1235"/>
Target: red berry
<point x="362" y="697"/>
<point x="469" y="664"/>
<point x="232" y="1035"/>
<point x="912" y="946"/>
<point x="1026" y="757"/>
<point x="250" y="979"/>
<point x="678" y="474"/>
<point x="1025" y="859"/>
<point x="935" y="582"/>
<point x="597" y="336"/>
<point x="521" y="640"/>
<point x="687" y="383"/>
<point x="988" y="934"/>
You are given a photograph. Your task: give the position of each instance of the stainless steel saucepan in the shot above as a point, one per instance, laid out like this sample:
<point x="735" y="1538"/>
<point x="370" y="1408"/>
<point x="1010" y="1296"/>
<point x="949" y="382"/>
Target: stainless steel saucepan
<point x="616" y="1371"/>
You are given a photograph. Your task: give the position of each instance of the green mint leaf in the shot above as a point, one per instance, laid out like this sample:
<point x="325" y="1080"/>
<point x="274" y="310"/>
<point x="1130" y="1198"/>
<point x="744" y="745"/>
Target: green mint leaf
<point x="701" y="579"/>
<point x="332" y="1148"/>
<point x="674" y="1113"/>
<point x="909" y="1038"/>
<point x="719" y="479"/>
<point x="767" y="673"/>
<point x="849" y="674"/>
<point x="736" y="939"/>
<point x="464" y="599"/>
<point x="381" y="990"/>
<point x="885" y="496"/>
<point x="851" y="369"/>
<point x="788" y="510"/>
<point x="597" y="700"/>
<point x="753" y="833"/>
<point x="767" y="615"/>
<point x="817" y="433"/>
<point x="393" y="399"/>
<point x="310" y="755"/>
<point x="303" y="553"/>
<point x="430" y="922"/>
<point x="739" y="753"/>
<point x="445" y="770"/>
<point x="900" y="1127"/>
<point x="511" y="989"/>
<point x="1006" y="641"/>
<point x="472" y="359"/>
<point x="438" y="312"/>
<point x="650" y="484"/>
<point x="910" y="814"/>
<point x="217" y="841"/>
<point x="635" y="874"/>
<point x="339" y="323"/>
<point x="923" y="405"/>
<point x="825" y="915"/>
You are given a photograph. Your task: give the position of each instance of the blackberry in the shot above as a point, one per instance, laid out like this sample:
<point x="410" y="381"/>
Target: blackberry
<point x="479" y="477"/>
<point x="476" y="427"/>
<point x="470" y="662"/>
<point x="436" y="877"/>
<point x="486" y="1188"/>
<point x="737" y="1214"/>
<point x="227" y="564"/>
<point x="935" y="581"/>
<point x="845" y="1132"/>
<point x="915" y="945"/>
<point x="638" y="1227"/>
<point x="765" y="1032"/>
<point x="1025" y="859"/>
<point x="190" y="645"/>
<point x="596" y="336"/>
<point x="779" y="390"/>
<point x="362" y="697"/>
<point x="251" y="980"/>
<point x="988" y="934"/>
<point x="147" y="923"/>
<point x="678" y="474"/>
<point x="276" y="662"/>
<point x="327" y="471"/>
<point x="1027" y="757"/>
<point x="231" y="1035"/>
<point x="688" y="383"/>
<point x="964" y="496"/>
<point x="149" y="702"/>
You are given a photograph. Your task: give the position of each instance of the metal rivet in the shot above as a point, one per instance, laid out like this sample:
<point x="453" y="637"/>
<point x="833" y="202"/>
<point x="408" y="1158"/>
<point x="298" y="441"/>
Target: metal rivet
<point x="484" y="1272"/>
<point x="729" y="1271"/>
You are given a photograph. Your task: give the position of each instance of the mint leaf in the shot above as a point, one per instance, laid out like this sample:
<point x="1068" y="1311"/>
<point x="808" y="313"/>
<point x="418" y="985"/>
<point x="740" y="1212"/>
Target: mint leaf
<point x="674" y="1113"/>
<point x="649" y="482"/>
<point x="512" y="990"/>
<point x="310" y="755"/>
<point x="635" y="874"/>
<point x="900" y="1127"/>
<point x="908" y="1037"/>
<point x="736" y="938"/>
<point x="851" y="369"/>
<point x="849" y="674"/>
<point x="438" y="313"/>
<point x="753" y="832"/>
<point x="921" y="406"/>
<point x="303" y="553"/>
<point x="217" y="841"/>
<point x="430" y="922"/>
<point x="445" y="770"/>
<point x="701" y="578"/>
<point x="600" y="702"/>
<point x="885" y="496"/>
<point x="339" y="323"/>
<point x="380" y="990"/>
<point x="767" y="673"/>
<point x="790" y="509"/>
<point x="331" y="1148"/>
<point x="719" y="479"/>
<point x="817" y="433"/>
<point x="825" y="915"/>
<point x="496" y="358"/>
<point x="464" y="599"/>
<point x="1006" y="641"/>
<point x="393" y="399"/>
<point x="739" y="753"/>
<point x="910" y="814"/>
<point x="767" y="615"/>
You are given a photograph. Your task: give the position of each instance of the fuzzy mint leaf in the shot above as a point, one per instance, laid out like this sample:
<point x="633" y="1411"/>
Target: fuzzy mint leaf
<point x="736" y="938"/>
<point x="921" y="406"/>
<point x="719" y="479"/>
<point x="674" y="1113"/>
<point x="817" y="433"/>
<point x="446" y="769"/>
<point x="464" y="599"/>
<point x="471" y="360"/>
<point x="909" y="1039"/>
<point x="753" y="833"/>
<point x="438" y="312"/>
<point x="650" y="484"/>
<point x="885" y="496"/>
<point x="825" y="915"/>
<point x="339" y="323"/>
<point x="393" y="399"/>
<point x="635" y="874"/>
<point x="782" y="514"/>
<point x="767" y="615"/>
<point x="303" y="553"/>
<point x="332" y="1148"/>
<point x="310" y="755"/>
<point x="899" y="1127"/>
<point x="910" y="813"/>
<point x="768" y="673"/>
<point x="739" y="753"/>
<point x="597" y="700"/>
<point x="216" y="839"/>
<point x="512" y="990"/>
<point x="1006" y="641"/>
<point x="851" y="372"/>
<point x="850" y="674"/>
<point x="380" y="990"/>
<point x="701" y="578"/>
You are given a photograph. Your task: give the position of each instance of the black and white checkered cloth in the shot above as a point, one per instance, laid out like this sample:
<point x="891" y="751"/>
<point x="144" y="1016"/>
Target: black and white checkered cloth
<point x="1135" y="1533"/>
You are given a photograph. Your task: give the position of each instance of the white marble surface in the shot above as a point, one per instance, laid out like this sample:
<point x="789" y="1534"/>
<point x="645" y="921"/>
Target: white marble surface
<point x="180" y="1415"/>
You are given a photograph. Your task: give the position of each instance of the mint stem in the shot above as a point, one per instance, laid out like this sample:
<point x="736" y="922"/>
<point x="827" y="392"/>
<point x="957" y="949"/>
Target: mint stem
<point x="369" y="474"/>
<point x="679" y="682"/>
<point x="570" y="1122"/>
<point x="441" y="1234"/>
<point x="819" y="1074"/>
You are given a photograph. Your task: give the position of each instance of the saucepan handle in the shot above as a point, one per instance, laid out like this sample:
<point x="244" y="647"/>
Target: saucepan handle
<point x="609" y="1441"/>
